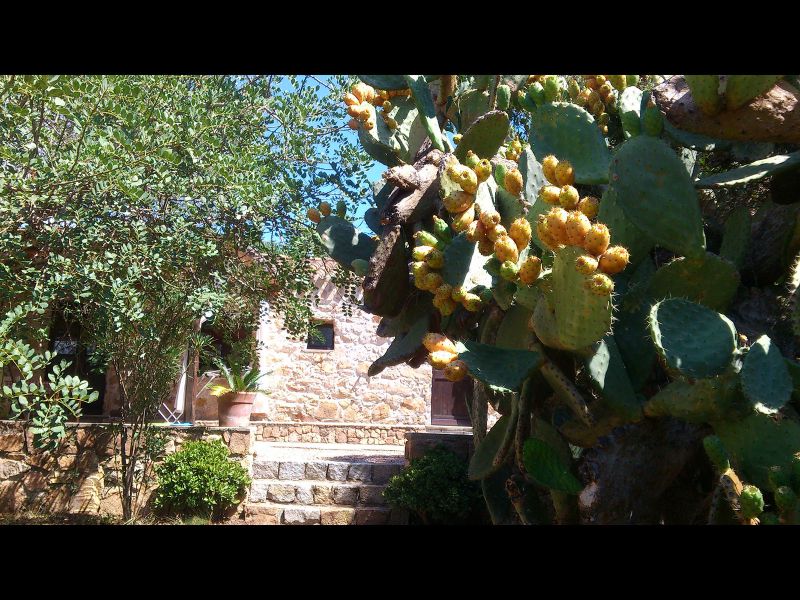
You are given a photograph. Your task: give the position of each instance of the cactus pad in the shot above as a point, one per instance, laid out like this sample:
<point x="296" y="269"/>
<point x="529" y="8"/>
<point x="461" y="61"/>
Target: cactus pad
<point x="427" y="111"/>
<point x="691" y="338"/>
<point x="657" y="195"/>
<point x="485" y="136"/>
<point x="624" y="231"/>
<point x="607" y="373"/>
<point x="344" y="242"/>
<point x="752" y="172"/>
<point x="463" y="264"/>
<point x="373" y="220"/>
<point x="385" y="82"/>
<point x="498" y="366"/>
<point x="759" y="442"/>
<point x="402" y="348"/>
<point x="737" y="236"/>
<point x="543" y="463"/>
<point x="699" y="401"/>
<point x="513" y="332"/>
<point x="582" y="318"/>
<point x="570" y="133"/>
<point x="765" y="379"/>
<point x="711" y="281"/>
<point x="743" y="88"/>
<point x="482" y="464"/>
<point x="629" y="111"/>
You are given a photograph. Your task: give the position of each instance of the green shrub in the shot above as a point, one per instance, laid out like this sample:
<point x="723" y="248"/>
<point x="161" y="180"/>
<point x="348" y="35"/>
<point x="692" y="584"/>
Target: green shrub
<point x="436" y="488"/>
<point x="199" y="480"/>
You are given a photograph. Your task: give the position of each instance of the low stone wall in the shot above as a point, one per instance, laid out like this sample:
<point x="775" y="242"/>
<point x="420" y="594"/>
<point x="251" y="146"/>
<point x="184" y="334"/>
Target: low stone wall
<point x="83" y="476"/>
<point x="333" y="433"/>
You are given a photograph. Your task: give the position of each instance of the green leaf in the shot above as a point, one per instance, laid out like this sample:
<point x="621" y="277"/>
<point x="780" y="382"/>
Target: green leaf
<point x="545" y="465"/>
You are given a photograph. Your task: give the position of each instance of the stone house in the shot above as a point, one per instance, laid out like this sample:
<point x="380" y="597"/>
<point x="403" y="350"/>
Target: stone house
<point x="319" y="388"/>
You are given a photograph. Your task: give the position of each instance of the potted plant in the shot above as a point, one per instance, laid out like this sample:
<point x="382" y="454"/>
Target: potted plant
<point x="235" y="401"/>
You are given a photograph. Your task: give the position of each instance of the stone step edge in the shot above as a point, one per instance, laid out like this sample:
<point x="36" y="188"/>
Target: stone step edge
<point x="319" y="482"/>
<point x="269" y="513"/>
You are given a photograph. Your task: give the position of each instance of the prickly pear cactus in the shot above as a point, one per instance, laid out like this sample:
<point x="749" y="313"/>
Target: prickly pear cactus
<point x="548" y="237"/>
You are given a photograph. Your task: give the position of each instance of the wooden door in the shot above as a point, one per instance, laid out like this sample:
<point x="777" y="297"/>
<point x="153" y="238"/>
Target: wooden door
<point x="449" y="400"/>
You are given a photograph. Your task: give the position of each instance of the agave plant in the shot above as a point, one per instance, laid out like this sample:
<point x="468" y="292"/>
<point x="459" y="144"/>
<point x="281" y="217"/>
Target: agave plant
<point x="239" y="380"/>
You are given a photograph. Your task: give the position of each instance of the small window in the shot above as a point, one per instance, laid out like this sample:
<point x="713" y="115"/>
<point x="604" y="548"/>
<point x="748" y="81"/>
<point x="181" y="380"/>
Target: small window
<point x="320" y="337"/>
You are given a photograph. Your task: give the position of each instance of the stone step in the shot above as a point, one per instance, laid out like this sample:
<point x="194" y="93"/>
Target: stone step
<point x="319" y="470"/>
<point x="316" y="493"/>
<point x="269" y="513"/>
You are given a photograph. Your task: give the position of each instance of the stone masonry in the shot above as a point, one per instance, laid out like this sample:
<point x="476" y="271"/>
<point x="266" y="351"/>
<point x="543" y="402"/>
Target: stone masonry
<point x="332" y="385"/>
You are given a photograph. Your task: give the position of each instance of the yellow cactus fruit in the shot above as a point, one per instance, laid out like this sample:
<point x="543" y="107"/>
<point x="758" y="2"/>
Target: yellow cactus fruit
<point x="483" y="170"/>
<point x="589" y="206"/>
<point x="369" y="124"/>
<point x="605" y="90"/>
<point x="421" y="252"/>
<point x="486" y="247"/>
<point x="530" y="270"/>
<point x="593" y="98"/>
<point x="355" y="111"/>
<point x="543" y="231"/>
<point x="435" y="259"/>
<point x="475" y="232"/>
<point x="445" y="305"/>
<point x="443" y="291"/>
<point x="453" y="168"/>
<point x="390" y="123"/>
<point x="364" y="92"/>
<point x="490" y="218"/>
<point x="600" y="284"/>
<point x="577" y="226"/>
<point x="468" y="180"/>
<point x="520" y="232"/>
<point x="458" y="293"/>
<point x="565" y="175"/>
<point x="351" y="100"/>
<point x="455" y="371"/>
<point x="325" y="209"/>
<point x="436" y="342"/>
<point x="458" y="201"/>
<point x="419" y="269"/>
<point x="568" y="197"/>
<point x="618" y="81"/>
<point x="597" y="239"/>
<point x="600" y="79"/>
<point x="495" y="233"/>
<point x="440" y="359"/>
<point x="462" y="220"/>
<point x="472" y="302"/>
<point x="457" y="138"/>
<point x="353" y="123"/>
<point x="583" y="97"/>
<point x="505" y="249"/>
<point x="557" y="225"/>
<point x="472" y="159"/>
<point x="549" y="194"/>
<point x="431" y="281"/>
<point x="614" y="260"/>
<point x="549" y="164"/>
<point x="586" y="264"/>
<point x="513" y="182"/>
<point x="591" y="82"/>
<point x="386" y="105"/>
<point x="313" y="214"/>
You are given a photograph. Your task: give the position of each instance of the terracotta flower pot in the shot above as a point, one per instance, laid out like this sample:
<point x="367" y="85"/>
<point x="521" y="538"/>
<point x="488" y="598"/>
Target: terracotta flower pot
<point x="235" y="409"/>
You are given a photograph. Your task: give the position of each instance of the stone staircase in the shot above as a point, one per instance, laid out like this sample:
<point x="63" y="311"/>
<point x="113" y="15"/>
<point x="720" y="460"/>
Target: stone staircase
<point x="327" y="484"/>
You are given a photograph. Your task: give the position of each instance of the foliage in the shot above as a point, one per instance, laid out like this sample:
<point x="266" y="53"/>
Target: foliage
<point x="200" y="480"/>
<point x="239" y="380"/>
<point x="436" y="488"/>
<point x="138" y="204"/>
<point x="49" y="405"/>
<point x="591" y="283"/>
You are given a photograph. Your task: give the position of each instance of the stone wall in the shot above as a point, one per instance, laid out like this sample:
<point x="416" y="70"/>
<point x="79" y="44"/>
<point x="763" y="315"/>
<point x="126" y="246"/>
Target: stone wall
<point x="332" y="385"/>
<point x="334" y="433"/>
<point x="83" y="475"/>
